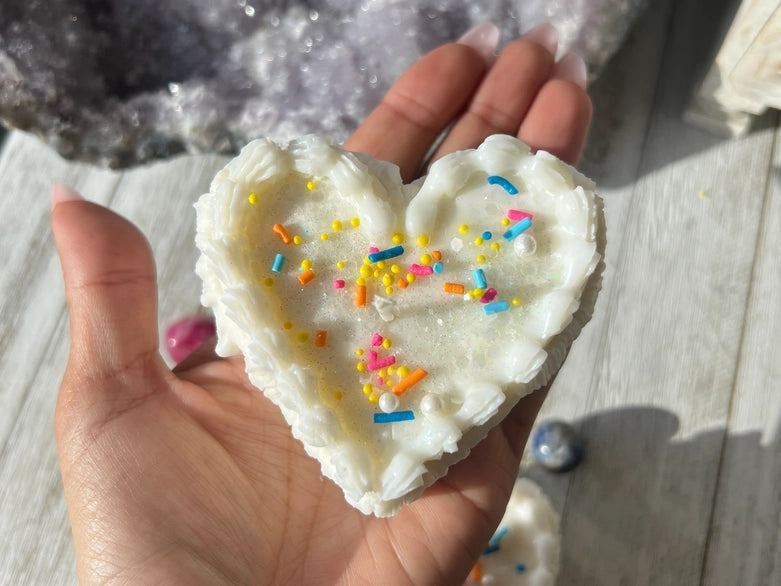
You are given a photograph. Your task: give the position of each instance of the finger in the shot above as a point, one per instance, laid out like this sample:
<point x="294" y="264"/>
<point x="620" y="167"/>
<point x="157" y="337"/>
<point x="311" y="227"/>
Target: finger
<point x="559" y="118"/>
<point x="419" y="106"/>
<point x="508" y="91"/>
<point x="110" y="288"/>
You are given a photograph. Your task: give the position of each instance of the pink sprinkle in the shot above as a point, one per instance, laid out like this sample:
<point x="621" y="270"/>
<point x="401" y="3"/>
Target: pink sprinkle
<point x="518" y="215"/>
<point x="488" y="296"/>
<point x="421" y="270"/>
<point x="384" y="363"/>
<point x="372" y="355"/>
<point x="380" y="381"/>
<point x="376" y="340"/>
<point x="373" y="249"/>
<point x="339" y="284"/>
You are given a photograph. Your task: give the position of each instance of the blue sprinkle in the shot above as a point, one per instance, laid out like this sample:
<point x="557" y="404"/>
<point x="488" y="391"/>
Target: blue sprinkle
<point x="438" y="268"/>
<point x="518" y="229"/>
<point x="520" y="568"/>
<point x="393" y="417"/>
<point x="392" y="252"/>
<point x="279" y="260"/>
<point x="487" y="235"/>
<point x="496" y="307"/>
<point x="498" y="536"/>
<point x="490" y="549"/>
<point x="479" y="277"/>
<point x="508" y="187"/>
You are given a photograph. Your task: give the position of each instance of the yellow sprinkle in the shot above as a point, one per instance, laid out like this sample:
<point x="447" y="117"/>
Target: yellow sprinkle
<point x="366" y="271"/>
<point x="268" y="282"/>
<point x="388" y="290"/>
<point x="374" y="398"/>
<point x="340" y="264"/>
<point x="505" y="221"/>
<point x="253" y="198"/>
<point x="381" y="264"/>
<point x="391" y="369"/>
<point x="377" y="273"/>
<point x="516" y="302"/>
<point x="306" y="264"/>
<point x="302" y="337"/>
<point x="336" y="225"/>
<point x="395" y="269"/>
<point x="397" y="238"/>
<point x="480" y="258"/>
<point x="338" y="395"/>
<point x="495" y="246"/>
<point x="387" y="279"/>
<point x="366" y="260"/>
<point x="425" y="259"/>
<point x="355" y="222"/>
<point x="360" y="281"/>
<point x="463" y="228"/>
<point x="389" y="383"/>
<point x="403" y="371"/>
<point x="410" y="278"/>
<point x="367" y="389"/>
<point x="310" y="185"/>
<point x="323" y="236"/>
<point x="478" y="240"/>
<point x="386" y="343"/>
<point x="382" y="373"/>
<point x="359" y="352"/>
<point x="360" y="367"/>
<point x="422" y="240"/>
<point x="475" y="293"/>
<point x="287" y="325"/>
<point x="296" y="239"/>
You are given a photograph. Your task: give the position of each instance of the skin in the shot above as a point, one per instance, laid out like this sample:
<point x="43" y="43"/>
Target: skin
<point x="191" y="476"/>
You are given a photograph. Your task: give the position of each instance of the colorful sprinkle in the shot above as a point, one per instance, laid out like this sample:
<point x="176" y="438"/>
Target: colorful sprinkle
<point x="480" y="258"/>
<point x="324" y="237"/>
<point x="355" y="222"/>
<point x="488" y="296"/>
<point x="479" y="241"/>
<point x="463" y="228"/>
<point x="402" y="371"/>
<point x="310" y="185"/>
<point x="253" y="198"/>
<point x="515" y="301"/>
<point x="386" y="343"/>
<point x="367" y="389"/>
<point x="394" y="417"/>
<point x="408" y="381"/>
<point x="359" y="351"/>
<point x="438" y="267"/>
<point x="518" y="215"/>
<point x="306" y="276"/>
<point x="279" y="260"/>
<point x="477" y="573"/>
<point x="499" y="535"/>
<point x="420" y="270"/>
<point x="479" y="277"/>
<point x="397" y="238"/>
<point x="487" y="235"/>
<point x="383" y="363"/>
<point x="490" y="549"/>
<point x="496" y="307"/>
<point x="336" y="226"/>
<point x="389" y="402"/>
<point x="454" y="288"/>
<point x="360" y="367"/>
<point x="395" y="269"/>
<point x="402" y="283"/>
<point x="498" y="180"/>
<point x="297" y="240"/>
<point x="320" y="338"/>
<point x="360" y="296"/>
<point x="374" y="398"/>
<point x="280" y="231"/>
<point x="436" y="254"/>
<point x="422" y="240"/>
<point x="392" y="252"/>
<point x="377" y="339"/>
<point x="410" y="278"/>
<point x="518" y="229"/>
<point x="340" y="264"/>
<point x="306" y="264"/>
<point x="425" y="259"/>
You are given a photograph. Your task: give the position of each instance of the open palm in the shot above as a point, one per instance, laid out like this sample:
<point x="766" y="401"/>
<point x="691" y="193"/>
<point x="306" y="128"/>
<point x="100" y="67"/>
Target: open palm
<point x="192" y="476"/>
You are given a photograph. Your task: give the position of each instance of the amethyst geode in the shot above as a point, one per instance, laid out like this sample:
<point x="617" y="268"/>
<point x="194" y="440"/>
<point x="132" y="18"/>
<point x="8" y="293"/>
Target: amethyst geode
<point x="118" y="82"/>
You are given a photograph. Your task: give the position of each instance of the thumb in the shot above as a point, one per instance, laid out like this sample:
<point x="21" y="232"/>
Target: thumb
<point x="110" y="287"/>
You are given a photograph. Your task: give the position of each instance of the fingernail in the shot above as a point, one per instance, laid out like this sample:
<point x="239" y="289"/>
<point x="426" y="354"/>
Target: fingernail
<point x="483" y="38"/>
<point x="572" y="68"/>
<point x="62" y="193"/>
<point x="544" y="34"/>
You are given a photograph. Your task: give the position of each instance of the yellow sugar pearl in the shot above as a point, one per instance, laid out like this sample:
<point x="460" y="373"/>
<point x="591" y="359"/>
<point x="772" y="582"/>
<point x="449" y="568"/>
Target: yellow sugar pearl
<point x="422" y="240"/>
<point x="306" y="264"/>
<point x="359" y="352"/>
<point x="478" y="241"/>
<point x="323" y="236"/>
<point x="382" y="373"/>
<point x="296" y="239"/>
<point x="410" y="278"/>
<point x="395" y="269"/>
<point x="360" y="367"/>
<point x="355" y="222"/>
<point x="367" y="389"/>
<point x="480" y="259"/>
<point x="388" y="290"/>
<point x="268" y="282"/>
<point x="386" y="343"/>
<point x="381" y="264"/>
<point x="366" y="260"/>
<point x="360" y="281"/>
<point x="475" y="293"/>
<point x="516" y="302"/>
<point x="366" y="271"/>
<point x="505" y="221"/>
<point x="387" y="279"/>
<point x="463" y="228"/>
<point x="403" y="371"/>
<point x="425" y="259"/>
<point x="338" y="395"/>
<point x="397" y="238"/>
<point x="391" y="369"/>
<point x="310" y="185"/>
<point x="377" y="273"/>
<point x="302" y="337"/>
<point x="287" y="325"/>
<point x="496" y="246"/>
<point x="336" y="225"/>
<point x="253" y="198"/>
<point x="340" y="264"/>
<point x="374" y="398"/>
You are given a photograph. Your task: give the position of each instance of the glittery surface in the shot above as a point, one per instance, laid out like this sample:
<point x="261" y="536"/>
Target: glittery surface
<point x="118" y="83"/>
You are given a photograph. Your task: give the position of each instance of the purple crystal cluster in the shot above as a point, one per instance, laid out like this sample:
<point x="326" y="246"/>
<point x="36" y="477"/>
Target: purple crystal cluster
<point x="118" y="83"/>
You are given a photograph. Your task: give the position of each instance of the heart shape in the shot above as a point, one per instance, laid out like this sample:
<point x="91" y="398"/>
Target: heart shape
<point x="395" y="324"/>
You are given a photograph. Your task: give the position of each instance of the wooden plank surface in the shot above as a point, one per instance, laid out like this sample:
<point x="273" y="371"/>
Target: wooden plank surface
<point x="675" y="382"/>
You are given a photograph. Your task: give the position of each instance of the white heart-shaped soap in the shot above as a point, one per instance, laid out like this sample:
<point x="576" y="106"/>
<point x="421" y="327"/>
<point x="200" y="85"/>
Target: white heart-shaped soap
<point x="395" y="324"/>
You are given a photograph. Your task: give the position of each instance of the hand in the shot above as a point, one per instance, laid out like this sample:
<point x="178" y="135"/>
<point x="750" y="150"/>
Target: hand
<point x="192" y="476"/>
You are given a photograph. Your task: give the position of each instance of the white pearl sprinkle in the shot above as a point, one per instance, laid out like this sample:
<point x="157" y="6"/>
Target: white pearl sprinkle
<point x="389" y="402"/>
<point x="525" y="245"/>
<point x="431" y="404"/>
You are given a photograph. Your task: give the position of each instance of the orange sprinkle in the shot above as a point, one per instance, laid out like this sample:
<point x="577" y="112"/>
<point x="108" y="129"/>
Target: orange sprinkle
<point x="360" y="296"/>
<point x="306" y="276"/>
<point x="408" y="381"/>
<point x="455" y="288"/>
<point x="280" y="231"/>
<point x="402" y="283"/>
<point x="437" y="255"/>
<point x="320" y="337"/>
<point x="476" y="575"/>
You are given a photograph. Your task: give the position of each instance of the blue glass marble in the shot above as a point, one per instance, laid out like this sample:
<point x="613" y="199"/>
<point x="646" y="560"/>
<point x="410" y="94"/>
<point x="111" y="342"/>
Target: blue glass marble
<point x="557" y="446"/>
